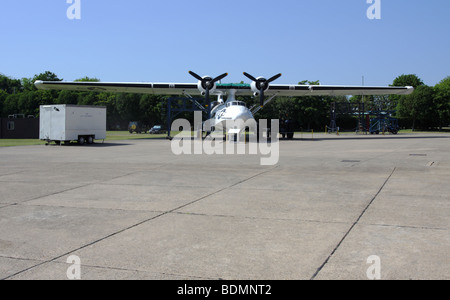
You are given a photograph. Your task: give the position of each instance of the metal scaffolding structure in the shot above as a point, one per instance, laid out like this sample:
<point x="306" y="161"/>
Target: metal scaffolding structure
<point x="347" y="108"/>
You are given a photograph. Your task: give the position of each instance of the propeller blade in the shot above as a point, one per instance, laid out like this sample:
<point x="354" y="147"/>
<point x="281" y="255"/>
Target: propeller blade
<point x="250" y="76"/>
<point x="261" y="98"/>
<point x="207" y="98"/>
<point x="274" y="77"/>
<point x="220" y="77"/>
<point x="196" y="76"/>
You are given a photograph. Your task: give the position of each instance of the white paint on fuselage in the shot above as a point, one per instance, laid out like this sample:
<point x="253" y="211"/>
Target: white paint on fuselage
<point x="232" y="110"/>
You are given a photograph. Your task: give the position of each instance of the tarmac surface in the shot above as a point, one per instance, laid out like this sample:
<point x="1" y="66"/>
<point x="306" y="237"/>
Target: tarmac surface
<point x="333" y="207"/>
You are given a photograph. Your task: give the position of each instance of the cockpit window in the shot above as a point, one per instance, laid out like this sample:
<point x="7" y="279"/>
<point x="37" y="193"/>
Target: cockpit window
<point x="236" y="103"/>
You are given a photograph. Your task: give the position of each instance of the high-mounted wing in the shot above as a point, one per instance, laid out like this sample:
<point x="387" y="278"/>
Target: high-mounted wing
<point x="241" y="89"/>
<point x="261" y="86"/>
<point x="336" y="90"/>
<point x="121" y="87"/>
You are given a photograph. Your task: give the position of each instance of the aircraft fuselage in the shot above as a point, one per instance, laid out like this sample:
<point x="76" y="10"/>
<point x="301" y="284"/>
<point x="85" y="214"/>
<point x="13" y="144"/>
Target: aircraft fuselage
<point x="232" y="112"/>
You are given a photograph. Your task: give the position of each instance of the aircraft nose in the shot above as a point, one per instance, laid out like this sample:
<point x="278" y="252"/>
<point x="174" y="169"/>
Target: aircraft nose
<point x="242" y="114"/>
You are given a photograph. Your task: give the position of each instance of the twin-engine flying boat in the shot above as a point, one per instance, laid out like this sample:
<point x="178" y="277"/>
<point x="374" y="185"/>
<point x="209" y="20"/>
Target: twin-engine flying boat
<point x="221" y="111"/>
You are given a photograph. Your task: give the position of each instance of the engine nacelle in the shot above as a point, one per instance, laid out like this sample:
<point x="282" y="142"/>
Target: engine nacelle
<point x="201" y="85"/>
<point x="256" y="86"/>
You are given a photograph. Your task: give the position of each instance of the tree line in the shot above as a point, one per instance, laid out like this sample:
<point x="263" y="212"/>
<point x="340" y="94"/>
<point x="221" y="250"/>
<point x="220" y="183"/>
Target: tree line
<point x="426" y="108"/>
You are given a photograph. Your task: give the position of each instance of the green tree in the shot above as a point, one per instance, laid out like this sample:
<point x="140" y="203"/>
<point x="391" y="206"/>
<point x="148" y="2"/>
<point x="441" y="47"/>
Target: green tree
<point x="108" y="100"/>
<point x="128" y="106"/>
<point x="307" y="82"/>
<point x="67" y="97"/>
<point x="408" y="106"/>
<point x="10" y="104"/>
<point x="46" y="76"/>
<point x="313" y="110"/>
<point x="87" y="98"/>
<point x="151" y="107"/>
<point x="418" y="107"/>
<point x="25" y="103"/>
<point x="9" y="85"/>
<point x="3" y="96"/>
<point x="87" y="79"/>
<point x="368" y="100"/>
<point x="28" y="83"/>
<point x="442" y="101"/>
<point x="408" y="80"/>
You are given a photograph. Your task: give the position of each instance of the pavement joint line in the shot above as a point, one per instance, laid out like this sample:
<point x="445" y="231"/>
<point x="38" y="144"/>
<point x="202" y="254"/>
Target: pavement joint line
<point x="222" y="189"/>
<point x="407" y="226"/>
<point x="143" y="271"/>
<point x="46" y="195"/>
<point x="9" y="174"/>
<point x="66" y="190"/>
<point x="260" y="218"/>
<point x="353" y="225"/>
<point x="134" y="225"/>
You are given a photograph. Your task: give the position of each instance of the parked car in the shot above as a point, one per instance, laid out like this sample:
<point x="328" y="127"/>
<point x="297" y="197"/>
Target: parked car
<point x="157" y="129"/>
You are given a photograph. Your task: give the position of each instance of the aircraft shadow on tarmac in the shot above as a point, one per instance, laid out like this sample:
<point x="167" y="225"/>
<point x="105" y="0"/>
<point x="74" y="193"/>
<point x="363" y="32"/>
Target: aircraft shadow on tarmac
<point x="94" y="145"/>
<point x="366" y="137"/>
<point x="295" y="139"/>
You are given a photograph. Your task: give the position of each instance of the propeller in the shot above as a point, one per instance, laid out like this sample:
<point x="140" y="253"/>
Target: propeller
<point x="208" y="83"/>
<point x="262" y="84"/>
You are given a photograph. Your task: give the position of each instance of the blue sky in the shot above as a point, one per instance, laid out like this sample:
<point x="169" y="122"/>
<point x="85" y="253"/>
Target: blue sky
<point x="160" y="41"/>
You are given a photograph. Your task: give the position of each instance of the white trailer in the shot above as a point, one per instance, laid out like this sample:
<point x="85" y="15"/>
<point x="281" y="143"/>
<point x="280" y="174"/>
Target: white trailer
<point x="66" y="123"/>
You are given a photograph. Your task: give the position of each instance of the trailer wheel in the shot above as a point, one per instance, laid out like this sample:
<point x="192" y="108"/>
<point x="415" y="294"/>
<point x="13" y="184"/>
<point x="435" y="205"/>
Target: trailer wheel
<point x="90" y="140"/>
<point x="81" y="140"/>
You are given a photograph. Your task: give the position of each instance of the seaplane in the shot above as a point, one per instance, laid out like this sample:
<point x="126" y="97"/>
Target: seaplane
<point x="222" y="112"/>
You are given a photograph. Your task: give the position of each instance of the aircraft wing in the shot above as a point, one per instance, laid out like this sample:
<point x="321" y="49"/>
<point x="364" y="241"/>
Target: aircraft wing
<point x="241" y="89"/>
<point x="336" y="90"/>
<point x="121" y="87"/>
<point x="318" y="90"/>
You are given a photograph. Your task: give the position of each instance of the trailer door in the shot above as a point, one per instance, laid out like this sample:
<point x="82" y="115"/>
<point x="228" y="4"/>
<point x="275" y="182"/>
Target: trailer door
<point x="45" y="122"/>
